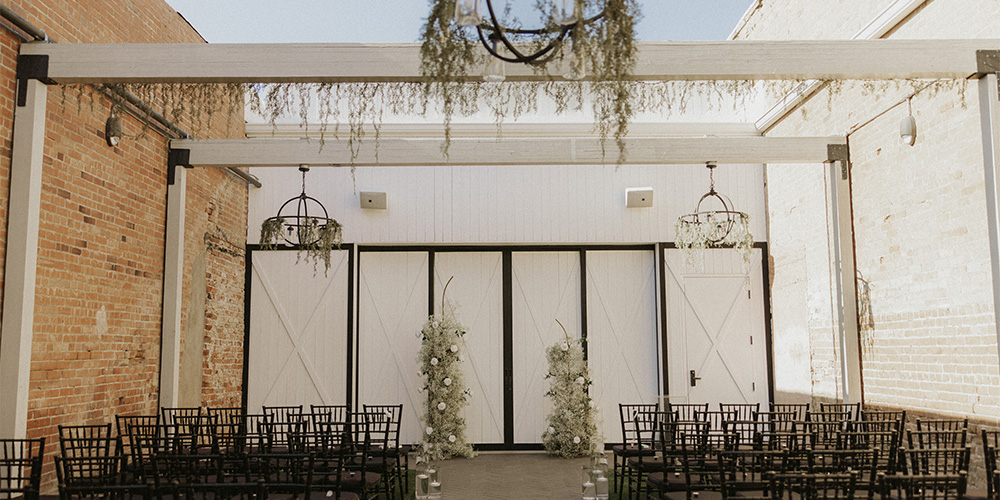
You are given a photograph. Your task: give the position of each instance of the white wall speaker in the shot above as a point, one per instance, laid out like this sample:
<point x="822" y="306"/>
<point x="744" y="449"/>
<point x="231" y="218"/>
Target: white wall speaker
<point x="639" y="197"/>
<point x="373" y="200"/>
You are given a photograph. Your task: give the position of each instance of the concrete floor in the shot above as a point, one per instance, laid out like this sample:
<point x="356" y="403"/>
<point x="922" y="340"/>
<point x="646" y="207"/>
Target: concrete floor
<point x="511" y="476"/>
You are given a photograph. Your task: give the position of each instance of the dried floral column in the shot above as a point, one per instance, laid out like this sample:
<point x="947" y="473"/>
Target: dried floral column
<point x="440" y="361"/>
<point x="572" y="428"/>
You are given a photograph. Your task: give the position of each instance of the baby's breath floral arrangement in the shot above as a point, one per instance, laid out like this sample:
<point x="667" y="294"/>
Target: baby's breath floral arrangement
<point x="572" y="430"/>
<point x="440" y="361"/>
<point x="691" y="239"/>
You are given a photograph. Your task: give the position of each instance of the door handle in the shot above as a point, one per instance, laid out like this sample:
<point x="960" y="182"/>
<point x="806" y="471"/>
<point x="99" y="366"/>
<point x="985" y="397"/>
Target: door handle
<point x="694" y="379"/>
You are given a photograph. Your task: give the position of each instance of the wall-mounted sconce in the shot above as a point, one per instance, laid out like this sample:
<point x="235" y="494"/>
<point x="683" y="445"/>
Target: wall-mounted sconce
<point x="113" y="128"/>
<point x="908" y="127"/>
<point x="639" y="197"/>
<point x="373" y="200"/>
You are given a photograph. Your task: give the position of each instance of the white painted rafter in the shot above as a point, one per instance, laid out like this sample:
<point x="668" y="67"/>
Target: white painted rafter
<point x="657" y="61"/>
<point x="490" y="152"/>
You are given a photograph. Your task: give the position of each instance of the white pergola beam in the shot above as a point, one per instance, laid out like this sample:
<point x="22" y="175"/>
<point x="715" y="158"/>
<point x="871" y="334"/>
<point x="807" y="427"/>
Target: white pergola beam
<point x="490" y="152"/>
<point x="657" y="61"/>
<point x="20" y="268"/>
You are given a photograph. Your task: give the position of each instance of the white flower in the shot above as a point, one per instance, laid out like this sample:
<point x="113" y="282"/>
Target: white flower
<point x="580" y="380"/>
<point x="461" y="358"/>
<point x="454" y="348"/>
<point x="434" y="361"/>
<point x="435" y="325"/>
<point x="446" y="381"/>
<point x="564" y="346"/>
<point x="452" y="438"/>
<point x="429" y="430"/>
<point x="442" y="406"/>
<point x="552" y="430"/>
<point x="576" y="439"/>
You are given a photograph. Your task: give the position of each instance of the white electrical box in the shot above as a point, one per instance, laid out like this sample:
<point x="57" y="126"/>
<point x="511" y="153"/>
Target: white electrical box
<point x="373" y="200"/>
<point x="639" y="197"/>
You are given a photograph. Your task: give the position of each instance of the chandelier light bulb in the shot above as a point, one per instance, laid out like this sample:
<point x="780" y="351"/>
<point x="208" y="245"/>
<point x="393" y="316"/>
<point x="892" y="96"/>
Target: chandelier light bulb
<point x="467" y="13"/>
<point x="566" y="13"/>
<point x="494" y="71"/>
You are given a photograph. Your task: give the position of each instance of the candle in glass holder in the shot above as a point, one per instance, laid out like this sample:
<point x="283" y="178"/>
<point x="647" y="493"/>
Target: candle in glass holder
<point x="434" y="491"/>
<point x="423" y="484"/>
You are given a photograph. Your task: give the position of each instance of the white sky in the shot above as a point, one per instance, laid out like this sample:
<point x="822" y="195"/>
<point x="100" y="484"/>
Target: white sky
<point x="333" y="21"/>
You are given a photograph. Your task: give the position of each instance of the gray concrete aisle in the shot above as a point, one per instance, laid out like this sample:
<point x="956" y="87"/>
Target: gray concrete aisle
<point x="511" y="476"/>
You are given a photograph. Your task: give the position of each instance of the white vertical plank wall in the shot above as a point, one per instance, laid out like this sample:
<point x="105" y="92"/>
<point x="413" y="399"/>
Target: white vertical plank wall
<point x="621" y="332"/>
<point x="298" y="331"/>
<point x="715" y="316"/>
<point x="477" y="291"/>
<point x="491" y="205"/>
<point x="546" y="287"/>
<point x="392" y="308"/>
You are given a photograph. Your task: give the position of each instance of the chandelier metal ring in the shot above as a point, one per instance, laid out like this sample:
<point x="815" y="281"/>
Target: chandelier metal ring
<point x="302" y="228"/>
<point x="724" y="220"/>
<point x="498" y="34"/>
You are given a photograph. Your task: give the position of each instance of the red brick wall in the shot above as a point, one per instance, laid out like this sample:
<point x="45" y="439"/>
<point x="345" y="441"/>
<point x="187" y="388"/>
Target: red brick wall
<point x="96" y="343"/>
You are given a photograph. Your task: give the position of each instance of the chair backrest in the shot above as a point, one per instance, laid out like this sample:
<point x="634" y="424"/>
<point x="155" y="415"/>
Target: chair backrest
<point x="991" y="442"/>
<point x="95" y="478"/>
<point x="805" y="486"/>
<point x="749" y="470"/>
<point x="170" y="413"/>
<point x="391" y="415"/>
<point x="885" y="442"/>
<point x="936" y="439"/>
<point x="744" y="411"/>
<point x="827" y="427"/>
<point x="746" y="432"/>
<point x="863" y="463"/>
<point x="627" y="413"/>
<point x="779" y="421"/>
<point x="281" y="413"/>
<point x="943" y="424"/>
<point x="21" y="468"/>
<point x="926" y="486"/>
<point x="203" y="476"/>
<point x="853" y="410"/>
<point x="226" y="416"/>
<point x="799" y="409"/>
<point x="336" y="413"/>
<point x="688" y="411"/>
<point x="86" y="441"/>
<point x="938" y="460"/>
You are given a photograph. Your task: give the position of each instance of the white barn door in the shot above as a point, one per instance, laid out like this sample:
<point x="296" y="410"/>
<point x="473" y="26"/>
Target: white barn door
<point x="298" y="331"/>
<point x="477" y="289"/>
<point x="546" y="287"/>
<point x="716" y="329"/>
<point x="392" y="308"/>
<point x="622" y="333"/>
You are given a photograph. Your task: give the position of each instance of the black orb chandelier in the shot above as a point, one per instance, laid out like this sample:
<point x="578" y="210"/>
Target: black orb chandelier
<point x="569" y="21"/>
<point x="304" y="226"/>
<point x="713" y="226"/>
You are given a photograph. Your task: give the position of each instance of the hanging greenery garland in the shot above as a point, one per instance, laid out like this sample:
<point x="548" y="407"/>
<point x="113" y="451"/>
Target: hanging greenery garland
<point x="572" y="430"/>
<point x="440" y="359"/>
<point x="451" y="60"/>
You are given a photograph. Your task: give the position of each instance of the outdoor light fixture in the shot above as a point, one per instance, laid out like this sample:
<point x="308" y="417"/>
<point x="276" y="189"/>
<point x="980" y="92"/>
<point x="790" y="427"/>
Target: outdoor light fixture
<point x="709" y="226"/>
<point x="908" y="127"/>
<point x="309" y="222"/>
<point x="113" y="128"/>
<point x="495" y="37"/>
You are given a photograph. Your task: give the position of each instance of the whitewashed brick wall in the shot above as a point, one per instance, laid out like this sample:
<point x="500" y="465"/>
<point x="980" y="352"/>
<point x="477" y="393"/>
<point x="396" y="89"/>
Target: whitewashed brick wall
<point x="920" y="227"/>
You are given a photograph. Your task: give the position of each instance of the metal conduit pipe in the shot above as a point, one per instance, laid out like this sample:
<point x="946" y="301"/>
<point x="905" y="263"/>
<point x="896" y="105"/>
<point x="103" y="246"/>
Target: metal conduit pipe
<point x="23" y="25"/>
<point x="40" y="36"/>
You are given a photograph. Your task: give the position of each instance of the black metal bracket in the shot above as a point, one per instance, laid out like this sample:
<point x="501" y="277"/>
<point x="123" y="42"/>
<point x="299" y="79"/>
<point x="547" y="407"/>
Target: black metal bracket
<point x="177" y="157"/>
<point x="31" y="66"/>
<point x="988" y="61"/>
<point x="839" y="153"/>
